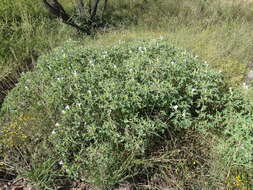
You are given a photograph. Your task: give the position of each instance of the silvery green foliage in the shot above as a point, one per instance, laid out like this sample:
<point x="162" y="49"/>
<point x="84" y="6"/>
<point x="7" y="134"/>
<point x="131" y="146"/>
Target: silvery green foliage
<point x="104" y="107"/>
<point x="236" y="142"/>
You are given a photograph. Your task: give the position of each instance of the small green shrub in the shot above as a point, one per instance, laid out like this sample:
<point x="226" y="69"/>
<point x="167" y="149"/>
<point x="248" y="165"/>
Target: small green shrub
<point x="99" y="112"/>
<point x="236" y="143"/>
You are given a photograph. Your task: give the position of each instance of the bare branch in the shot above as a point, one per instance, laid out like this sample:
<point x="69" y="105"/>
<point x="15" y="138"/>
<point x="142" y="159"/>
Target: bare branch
<point x="57" y="9"/>
<point x="90" y="7"/>
<point x="80" y="8"/>
<point x="94" y="10"/>
<point x="105" y="7"/>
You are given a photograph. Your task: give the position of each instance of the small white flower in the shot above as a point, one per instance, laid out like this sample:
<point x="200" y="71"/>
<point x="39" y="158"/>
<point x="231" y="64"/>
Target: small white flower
<point x="244" y="85"/>
<point x="26" y="87"/>
<point x="67" y="107"/>
<point x="91" y="62"/>
<point x="114" y="66"/>
<point x="53" y="132"/>
<point x="57" y="124"/>
<point x="63" y="112"/>
<point x="173" y="62"/>
<point x="230" y="90"/>
<point x="75" y="74"/>
<point x="89" y="91"/>
<point x="58" y="78"/>
<point x="79" y="105"/>
<point x="61" y="163"/>
<point x="194" y="89"/>
<point x="175" y="107"/>
<point x="141" y="49"/>
<point x="184" y="52"/>
<point x="130" y="70"/>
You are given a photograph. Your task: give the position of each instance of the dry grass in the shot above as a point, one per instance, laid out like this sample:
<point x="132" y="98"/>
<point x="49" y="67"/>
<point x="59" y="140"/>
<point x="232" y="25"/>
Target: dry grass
<point x="237" y="1"/>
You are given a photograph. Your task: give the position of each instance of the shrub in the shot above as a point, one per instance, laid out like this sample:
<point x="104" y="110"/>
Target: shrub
<point x="100" y="112"/>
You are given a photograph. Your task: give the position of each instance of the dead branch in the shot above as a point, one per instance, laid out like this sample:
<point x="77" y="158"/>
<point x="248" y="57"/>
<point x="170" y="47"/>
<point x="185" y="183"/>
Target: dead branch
<point x="57" y="9"/>
<point x="94" y="10"/>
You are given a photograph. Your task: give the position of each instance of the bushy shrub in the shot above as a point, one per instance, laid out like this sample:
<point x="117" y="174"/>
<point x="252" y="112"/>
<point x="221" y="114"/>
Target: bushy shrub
<point x="96" y="112"/>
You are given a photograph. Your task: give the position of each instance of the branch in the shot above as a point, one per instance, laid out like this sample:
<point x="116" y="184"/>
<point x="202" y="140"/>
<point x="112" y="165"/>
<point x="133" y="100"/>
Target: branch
<point x="80" y="8"/>
<point x="94" y="10"/>
<point x="57" y="9"/>
<point x="90" y="5"/>
<point x="104" y="9"/>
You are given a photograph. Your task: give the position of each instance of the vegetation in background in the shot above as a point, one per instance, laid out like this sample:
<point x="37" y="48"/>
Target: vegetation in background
<point x="27" y="31"/>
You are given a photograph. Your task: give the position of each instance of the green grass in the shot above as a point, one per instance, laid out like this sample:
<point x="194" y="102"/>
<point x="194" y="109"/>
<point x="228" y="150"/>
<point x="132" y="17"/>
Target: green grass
<point x="26" y="31"/>
<point x="225" y="46"/>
